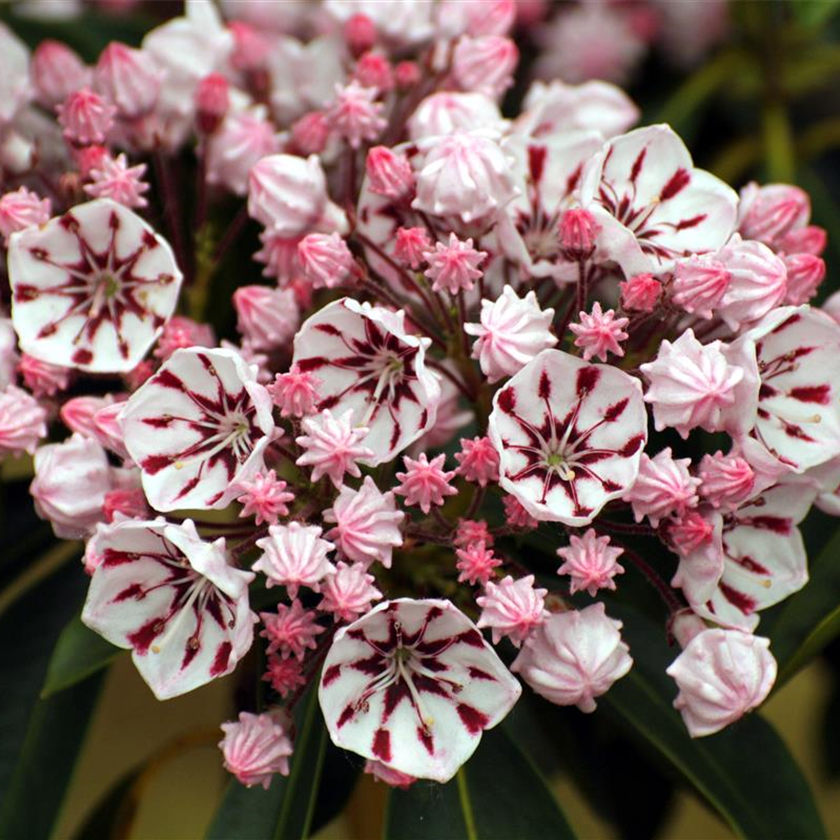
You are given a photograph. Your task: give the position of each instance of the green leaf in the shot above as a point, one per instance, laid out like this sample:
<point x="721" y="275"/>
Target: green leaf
<point x="745" y="772"/>
<point x="810" y="619"/>
<point x="497" y="795"/>
<point x="39" y="740"/>
<point x="79" y="653"/>
<point x="113" y="814"/>
<point x="285" y="810"/>
<point x="814" y="13"/>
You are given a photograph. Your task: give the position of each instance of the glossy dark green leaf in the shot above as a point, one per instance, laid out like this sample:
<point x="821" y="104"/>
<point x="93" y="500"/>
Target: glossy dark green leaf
<point x="39" y="739"/>
<point x="745" y="772"/>
<point x="78" y="653"/>
<point x="497" y="795"/>
<point x="285" y="810"/>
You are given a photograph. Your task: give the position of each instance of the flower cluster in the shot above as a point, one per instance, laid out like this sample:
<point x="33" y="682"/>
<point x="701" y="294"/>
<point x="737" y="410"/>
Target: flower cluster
<point x="470" y="327"/>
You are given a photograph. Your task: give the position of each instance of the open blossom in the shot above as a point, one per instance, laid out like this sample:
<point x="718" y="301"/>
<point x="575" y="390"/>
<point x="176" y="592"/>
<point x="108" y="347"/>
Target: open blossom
<point x="264" y="497"/>
<point x="478" y="461"/>
<point x="454" y="266"/>
<point x="591" y="562"/>
<point x="722" y="675"/>
<point x="512" y="608"/>
<point x="332" y="446"/>
<point x="290" y="630"/>
<point x="664" y="487"/>
<point x="197" y="428"/>
<point x="424" y="482"/>
<point x="23" y="421"/>
<point x="92" y="288"/>
<point x="476" y="563"/>
<point x="172" y="599"/>
<point x="256" y="748"/>
<point x="348" y="591"/>
<point x="511" y="332"/>
<point x="569" y="436"/>
<point x="574" y="657"/>
<point x="367" y="524"/>
<point x="600" y="333"/>
<point x="413" y="684"/>
<point x="294" y="555"/>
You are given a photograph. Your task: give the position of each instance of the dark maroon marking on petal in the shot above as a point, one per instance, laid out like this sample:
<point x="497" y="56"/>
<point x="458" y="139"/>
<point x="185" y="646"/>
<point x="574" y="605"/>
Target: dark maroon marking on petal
<point x="615" y="411"/>
<point x="188" y="487"/>
<point x="472" y="638"/>
<point x="582" y="511"/>
<point x="587" y="379"/>
<point x="215" y="498"/>
<point x="536" y="162"/>
<point x="478" y="674"/>
<point x="632" y="446"/>
<point x="331" y="675"/>
<point x="474" y="720"/>
<point x="611" y="486"/>
<point x="167" y="379"/>
<point x="787" y="323"/>
<point x="82" y="357"/>
<point x="763" y="413"/>
<point x="637" y="165"/>
<point x="766" y="392"/>
<point x="798" y="433"/>
<point x="679" y="181"/>
<point x="426" y="740"/>
<point x="429" y="685"/>
<point x="819" y="394"/>
<point x="358" y="635"/>
<point x="133" y="591"/>
<point x="313" y="363"/>
<point x="685" y="224"/>
<point x="142" y="638"/>
<point x="776" y="524"/>
<point x="158" y="422"/>
<point x="750" y="565"/>
<point x="573" y="179"/>
<point x="431" y="664"/>
<point x="348" y="713"/>
<point x="155" y="463"/>
<point x="593" y="457"/>
<point x="738" y="599"/>
<point x="221" y="659"/>
<point x="329" y="402"/>
<point x="544" y="389"/>
<point x="114" y="557"/>
<point x="372" y="665"/>
<point x="507" y="400"/>
<point x="382" y="744"/>
<point x="191" y="651"/>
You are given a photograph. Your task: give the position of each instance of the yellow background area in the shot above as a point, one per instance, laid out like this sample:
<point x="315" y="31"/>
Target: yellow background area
<point x="177" y="799"/>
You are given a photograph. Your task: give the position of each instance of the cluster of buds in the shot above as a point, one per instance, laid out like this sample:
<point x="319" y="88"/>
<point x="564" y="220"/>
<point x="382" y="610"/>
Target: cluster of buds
<point x="463" y="314"/>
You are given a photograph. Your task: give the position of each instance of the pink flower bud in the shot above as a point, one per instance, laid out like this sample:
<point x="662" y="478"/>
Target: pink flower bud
<point x="266" y="317"/>
<point x="78" y="413"/>
<point x="810" y="239"/>
<point x="383" y="773"/>
<point x="685" y="625"/>
<point x="805" y="272"/>
<point x="212" y="100"/>
<point x="690" y="532"/>
<point x="355" y="114"/>
<point x="256" y="748"/>
<point x="359" y="33"/>
<point x="128" y="78"/>
<point x="485" y="65"/>
<point x="600" y="333"/>
<point x="389" y="173"/>
<point x="295" y="393"/>
<point x="20" y="209"/>
<point x="700" y="284"/>
<point x="478" y="461"/>
<point x="663" y="488"/>
<point x="412" y="244"/>
<point x="768" y="213"/>
<point x="374" y="71"/>
<point x="23" y="421"/>
<point x="181" y="332"/>
<point x="727" y="480"/>
<point x="131" y="503"/>
<point x="56" y="72"/>
<point x="578" y="230"/>
<point x="326" y="261"/>
<point x="42" y="378"/>
<point x="512" y="608"/>
<point x="454" y="265"/>
<point x="310" y="133"/>
<point x="86" y="117"/>
<point x="406" y="74"/>
<point x="89" y="159"/>
<point x="640" y="293"/>
<point x="251" y="48"/>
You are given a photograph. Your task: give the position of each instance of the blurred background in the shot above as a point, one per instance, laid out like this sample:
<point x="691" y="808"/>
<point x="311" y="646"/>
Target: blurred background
<point x="754" y="89"/>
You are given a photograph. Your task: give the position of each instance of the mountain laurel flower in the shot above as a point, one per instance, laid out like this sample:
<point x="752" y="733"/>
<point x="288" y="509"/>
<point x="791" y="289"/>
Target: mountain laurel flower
<point x="256" y="748"/>
<point x="212" y="102"/>
<point x="295" y="393"/>
<point x="373" y="70"/>
<point x="56" y="71"/>
<point x="43" y="378"/>
<point x="512" y="332"/>
<point x="326" y="261"/>
<point x="355" y="114"/>
<point x="197" y="428"/>
<point x="805" y="273"/>
<point x="284" y="675"/>
<point x="512" y="608"/>
<point x="726" y="481"/>
<point x="348" y="592"/>
<point x="591" y="562"/>
<point x="129" y="503"/>
<point x="454" y="266"/>
<point x="411" y="245"/>
<point x="693" y="384"/>
<point x="113" y="178"/>
<point x="86" y="117"/>
<point x="700" y="282"/>
<point x="446" y="112"/>
<point x="294" y="555"/>
<point x="569" y="435"/>
<point x="367" y="524"/>
<point x="600" y="333"/>
<point x="574" y="657"/>
<point x="266" y="317"/>
<point x="770" y="212"/>
<point x="93" y="288"/>
<point x="128" y="79"/>
<point x="471" y="531"/>
<point x="389" y="173"/>
<point x="485" y="64"/>
<point x="424" y="482"/>
<point x="290" y="630"/>
<point x="640" y="293"/>
<point x="180" y="333"/>
<point x="721" y="675"/>
<point x="429" y="686"/>
<point x="476" y="563"/>
<point x="464" y="174"/>
<point x="23" y="422"/>
<point x="578" y="231"/>
<point x="663" y="488"/>
<point x="383" y="773"/>
<point x="22" y="209"/>
<point x="478" y="461"/>
<point x="332" y="446"/>
<point x="310" y="133"/>
<point x="265" y="498"/>
<point x="171" y="598"/>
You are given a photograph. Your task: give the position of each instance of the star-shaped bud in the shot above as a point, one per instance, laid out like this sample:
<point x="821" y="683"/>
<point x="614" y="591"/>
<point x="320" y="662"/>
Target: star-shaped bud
<point x="478" y="461"/>
<point x="284" y="675"/>
<point x="294" y="555"/>
<point x="591" y="562"/>
<point x="413" y="684"/>
<point x="355" y="114"/>
<point x="265" y="498"/>
<point x="600" y="333"/>
<point x="295" y="393"/>
<point x="333" y="446"/>
<point x="113" y="178"/>
<point x="454" y="266"/>
<point x="425" y="483"/>
<point x="290" y="630"/>
<point x="348" y="592"/>
<point x="476" y="563"/>
<point x="512" y="608"/>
